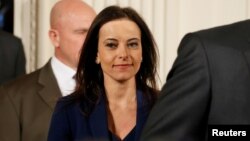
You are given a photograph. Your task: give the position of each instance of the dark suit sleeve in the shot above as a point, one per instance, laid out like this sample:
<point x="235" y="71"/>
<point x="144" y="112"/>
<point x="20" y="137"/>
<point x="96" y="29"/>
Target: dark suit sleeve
<point x="59" y="127"/>
<point x="180" y="114"/>
<point x="9" y="123"/>
<point x="20" y="60"/>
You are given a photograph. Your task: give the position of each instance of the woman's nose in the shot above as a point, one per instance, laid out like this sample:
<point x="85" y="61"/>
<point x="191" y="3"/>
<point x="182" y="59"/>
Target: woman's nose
<point x="123" y="52"/>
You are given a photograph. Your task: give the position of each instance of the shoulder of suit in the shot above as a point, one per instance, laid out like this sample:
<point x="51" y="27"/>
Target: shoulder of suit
<point x="5" y="35"/>
<point x="67" y="103"/>
<point x="231" y="29"/>
<point x="230" y="35"/>
<point x="22" y="83"/>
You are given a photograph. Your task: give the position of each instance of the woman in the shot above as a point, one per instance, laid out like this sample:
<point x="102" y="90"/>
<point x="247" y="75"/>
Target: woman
<point x="116" y="84"/>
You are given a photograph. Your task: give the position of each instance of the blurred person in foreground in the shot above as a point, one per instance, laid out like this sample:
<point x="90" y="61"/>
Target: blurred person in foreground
<point x="208" y="87"/>
<point x="26" y="104"/>
<point x="116" y="82"/>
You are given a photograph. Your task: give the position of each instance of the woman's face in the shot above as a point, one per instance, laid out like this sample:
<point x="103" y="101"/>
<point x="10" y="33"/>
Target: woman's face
<point x="119" y="50"/>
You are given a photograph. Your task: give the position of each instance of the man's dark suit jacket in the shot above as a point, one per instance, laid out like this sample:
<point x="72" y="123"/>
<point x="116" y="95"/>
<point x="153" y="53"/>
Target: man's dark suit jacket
<point x="12" y="58"/>
<point x="69" y="124"/>
<point x="209" y="83"/>
<point x="26" y="106"/>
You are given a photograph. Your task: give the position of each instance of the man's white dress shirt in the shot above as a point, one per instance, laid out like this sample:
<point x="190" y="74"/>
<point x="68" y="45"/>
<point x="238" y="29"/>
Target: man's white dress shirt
<point x="64" y="76"/>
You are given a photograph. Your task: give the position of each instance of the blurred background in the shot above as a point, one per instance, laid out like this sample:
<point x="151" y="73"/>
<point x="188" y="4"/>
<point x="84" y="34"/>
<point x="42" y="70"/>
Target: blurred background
<point x="169" y="21"/>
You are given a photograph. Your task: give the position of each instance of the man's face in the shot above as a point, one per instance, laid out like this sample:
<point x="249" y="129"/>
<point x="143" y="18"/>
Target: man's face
<point x="72" y="31"/>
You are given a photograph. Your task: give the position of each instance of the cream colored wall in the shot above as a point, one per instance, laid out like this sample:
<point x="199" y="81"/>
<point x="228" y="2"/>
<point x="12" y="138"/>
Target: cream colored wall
<point x="31" y="23"/>
<point x="169" y="21"/>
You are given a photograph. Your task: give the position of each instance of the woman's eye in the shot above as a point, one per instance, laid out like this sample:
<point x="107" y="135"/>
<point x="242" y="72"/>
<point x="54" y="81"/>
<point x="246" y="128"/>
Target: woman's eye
<point x="133" y="45"/>
<point x="111" y="45"/>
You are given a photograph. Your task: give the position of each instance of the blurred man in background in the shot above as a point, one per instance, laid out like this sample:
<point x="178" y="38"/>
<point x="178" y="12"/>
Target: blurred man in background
<point x="26" y="105"/>
<point x="12" y="58"/>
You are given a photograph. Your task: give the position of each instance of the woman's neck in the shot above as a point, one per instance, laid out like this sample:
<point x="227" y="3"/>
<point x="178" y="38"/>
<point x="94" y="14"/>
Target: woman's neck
<point x="121" y="107"/>
<point x="120" y="93"/>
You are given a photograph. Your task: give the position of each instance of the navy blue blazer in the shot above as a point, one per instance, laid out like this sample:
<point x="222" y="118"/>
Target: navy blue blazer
<point x="69" y="124"/>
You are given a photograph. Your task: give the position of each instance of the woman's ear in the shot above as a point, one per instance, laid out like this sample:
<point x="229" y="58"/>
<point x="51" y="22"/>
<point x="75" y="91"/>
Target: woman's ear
<point x="97" y="60"/>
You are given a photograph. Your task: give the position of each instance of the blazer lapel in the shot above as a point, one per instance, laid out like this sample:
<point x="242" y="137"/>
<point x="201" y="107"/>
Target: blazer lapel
<point x="49" y="91"/>
<point x="244" y="34"/>
<point x="142" y="114"/>
<point x="98" y="121"/>
<point x="246" y="53"/>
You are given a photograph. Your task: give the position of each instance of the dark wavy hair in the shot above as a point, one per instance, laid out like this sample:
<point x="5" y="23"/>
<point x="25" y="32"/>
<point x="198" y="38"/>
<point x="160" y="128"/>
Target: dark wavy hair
<point x="89" y="75"/>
